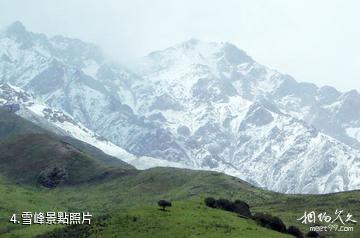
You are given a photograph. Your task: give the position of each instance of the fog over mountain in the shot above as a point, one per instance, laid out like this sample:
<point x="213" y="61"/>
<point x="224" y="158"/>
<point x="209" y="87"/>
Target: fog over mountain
<point x="314" y="41"/>
<point x="197" y="104"/>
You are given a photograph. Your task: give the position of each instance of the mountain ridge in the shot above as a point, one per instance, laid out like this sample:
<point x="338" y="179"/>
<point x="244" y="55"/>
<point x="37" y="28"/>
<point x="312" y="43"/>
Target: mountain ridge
<point x="188" y="105"/>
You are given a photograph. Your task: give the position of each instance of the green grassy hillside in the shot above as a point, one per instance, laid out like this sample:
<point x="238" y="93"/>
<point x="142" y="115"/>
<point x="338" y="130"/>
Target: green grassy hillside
<point x="11" y="125"/>
<point x="118" y="195"/>
<point x="184" y="219"/>
<point x="25" y="157"/>
<point x="97" y="153"/>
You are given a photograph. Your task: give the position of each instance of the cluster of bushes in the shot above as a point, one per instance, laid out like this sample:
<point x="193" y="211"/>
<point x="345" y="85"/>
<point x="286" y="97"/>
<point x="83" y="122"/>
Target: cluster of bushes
<point x="269" y="221"/>
<point x="275" y="223"/>
<point x="243" y="209"/>
<point x="239" y="207"/>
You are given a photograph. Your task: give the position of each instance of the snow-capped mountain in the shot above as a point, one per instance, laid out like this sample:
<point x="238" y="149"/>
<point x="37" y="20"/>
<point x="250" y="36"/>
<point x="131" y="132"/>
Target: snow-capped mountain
<point x="196" y="104"/>
<point x="18" y="101"/>
<point x="235" y="73"/>
<point x="22" y="103"/>
<point x="73" y="76"/>
<point x="237" y="116"/>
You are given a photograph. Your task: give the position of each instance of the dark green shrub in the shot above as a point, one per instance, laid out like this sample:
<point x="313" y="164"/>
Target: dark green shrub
<point x="239" y="207"/>
<point x="53" y="176"/>
<point x="313" y="234"/>
<point x="225" y="205"/>
<point x="210" y="202"/>
<point x="293" y="230"/>
<point x="269" y="221"/>
<point x="242" y="208"/>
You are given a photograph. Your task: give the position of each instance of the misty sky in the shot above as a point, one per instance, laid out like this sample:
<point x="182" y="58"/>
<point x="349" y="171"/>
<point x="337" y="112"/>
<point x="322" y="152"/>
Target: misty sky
<point x="316" y="41"/>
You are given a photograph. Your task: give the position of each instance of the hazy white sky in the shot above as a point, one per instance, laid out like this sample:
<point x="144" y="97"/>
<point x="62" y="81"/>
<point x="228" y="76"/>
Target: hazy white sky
<point x="313" y="40"/>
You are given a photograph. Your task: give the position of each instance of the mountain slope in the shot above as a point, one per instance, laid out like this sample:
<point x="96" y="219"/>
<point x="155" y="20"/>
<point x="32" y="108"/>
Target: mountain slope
<point x="198" y="105"/>
<point x="20" y="102"/>
<point x="38" y="158"/>
<point x="16" y="100"/>
<point x="17" y="133"/>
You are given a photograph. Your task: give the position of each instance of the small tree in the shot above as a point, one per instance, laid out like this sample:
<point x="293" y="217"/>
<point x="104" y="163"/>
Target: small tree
<point x="53" y="176"/>
<point x="163" y="204"/>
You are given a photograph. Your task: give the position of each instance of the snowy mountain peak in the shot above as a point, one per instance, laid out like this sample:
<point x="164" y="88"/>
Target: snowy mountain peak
<point x="195" y="52"/>
<point x="192" y="42"/>
<point x="16" y="28"/>
<point x="16" y="39"/>
<point x="352" y="94"/>
<point x="242" y="118"/>
<point x="18" y="33"/>
<point x="235" y="55"/>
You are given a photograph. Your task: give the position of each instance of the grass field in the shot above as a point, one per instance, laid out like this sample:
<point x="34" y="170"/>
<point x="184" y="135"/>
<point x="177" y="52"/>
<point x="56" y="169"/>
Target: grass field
<point x="184" y="219"/>
<point x="125" y="196"/>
